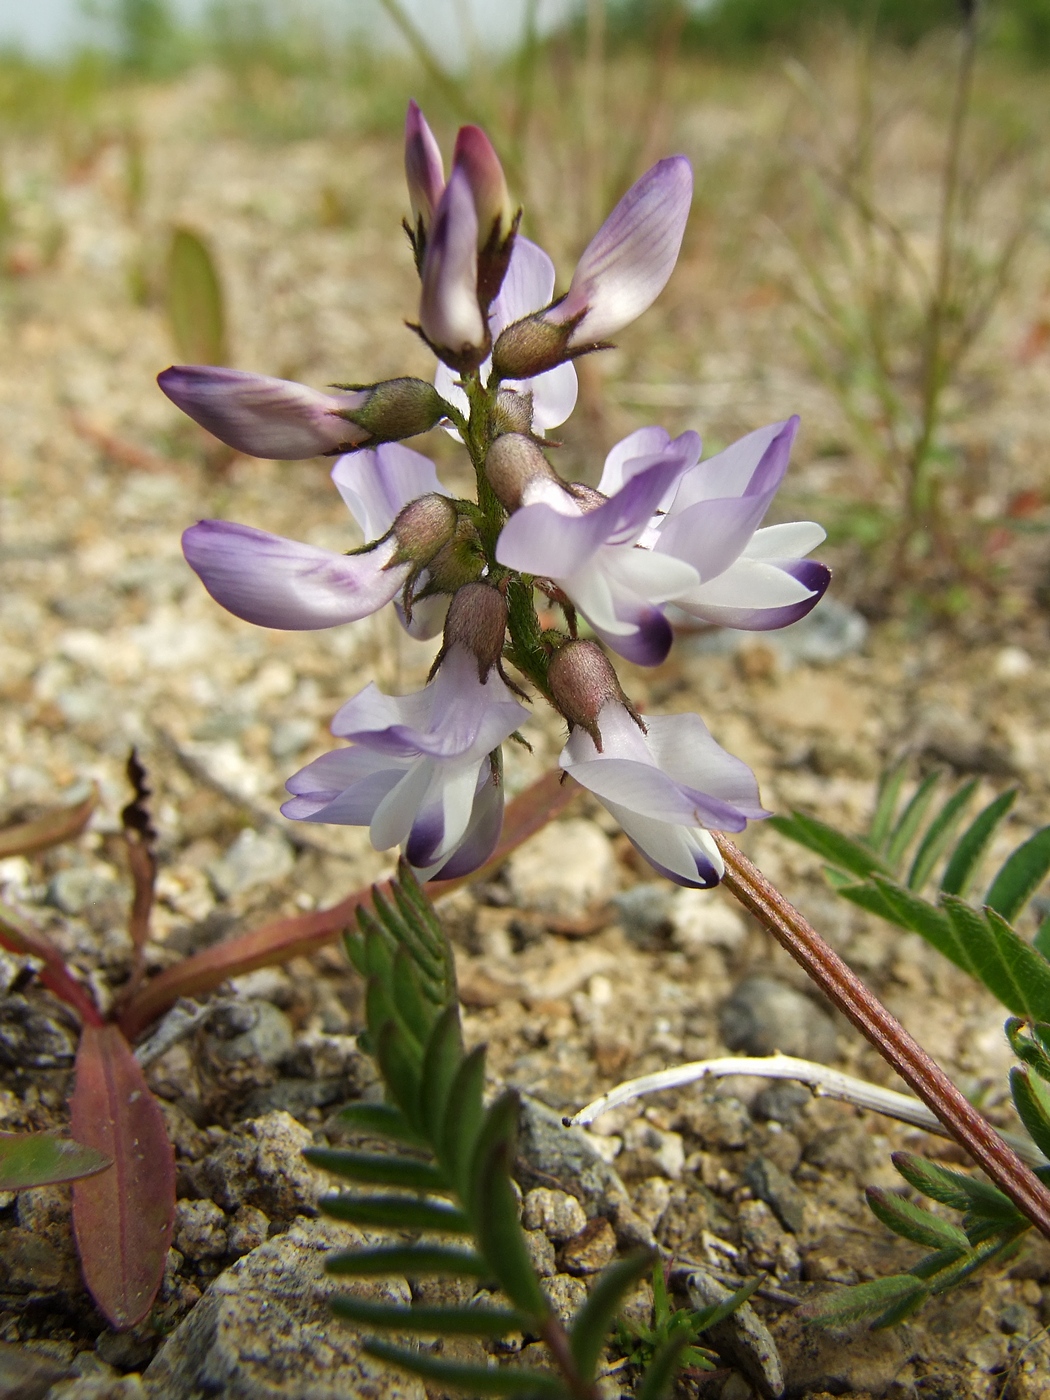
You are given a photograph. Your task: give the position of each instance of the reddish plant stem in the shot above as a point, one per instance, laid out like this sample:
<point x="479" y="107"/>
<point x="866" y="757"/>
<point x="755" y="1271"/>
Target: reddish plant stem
<point x="843" y="987"/>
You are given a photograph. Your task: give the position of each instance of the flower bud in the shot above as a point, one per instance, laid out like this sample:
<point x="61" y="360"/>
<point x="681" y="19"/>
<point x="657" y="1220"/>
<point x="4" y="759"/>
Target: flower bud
<point x="423" y="529"/>
<point x="497" y="217"/>
<point x="459" y="561"/>
<point x="449" y="314"/>
<point x="513" y="412"/>
<point x="514" y="461"/>
<point x="477" y="620"/>
<point x="531" y="346"/>
<point x="424" y="170"/>
<point x="581" y="681"/>
<point x="396" y="409"/>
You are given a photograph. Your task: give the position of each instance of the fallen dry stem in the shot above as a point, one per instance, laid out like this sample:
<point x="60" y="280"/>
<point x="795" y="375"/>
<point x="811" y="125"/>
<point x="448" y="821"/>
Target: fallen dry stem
<point x="900" y="1050"/>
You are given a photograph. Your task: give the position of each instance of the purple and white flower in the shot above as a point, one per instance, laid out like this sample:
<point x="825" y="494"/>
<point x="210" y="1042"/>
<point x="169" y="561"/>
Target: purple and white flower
<point x="750" y="578"/>
<point x="449" y="314"/>
<point x="586" y="545"/>
<point x="419" y="771"/>
<point x="424" y="169"/>
<point x="266" y="417"/>
<point x="527" y="287"/>
<point x="277" y="582"/>
<point x="668" y="788"/>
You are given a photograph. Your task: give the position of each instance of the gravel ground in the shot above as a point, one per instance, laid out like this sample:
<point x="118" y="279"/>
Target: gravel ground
<point x="576" y="968"/>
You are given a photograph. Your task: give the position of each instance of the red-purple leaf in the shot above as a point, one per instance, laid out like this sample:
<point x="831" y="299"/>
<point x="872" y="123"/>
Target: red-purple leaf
<point x="18" y="935"/>
<point x="122" y="1218"/>
<point x="284" y="939"/>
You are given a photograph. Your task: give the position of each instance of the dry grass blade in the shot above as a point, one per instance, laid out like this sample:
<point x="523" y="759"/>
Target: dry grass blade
<point x="54" y="827"/>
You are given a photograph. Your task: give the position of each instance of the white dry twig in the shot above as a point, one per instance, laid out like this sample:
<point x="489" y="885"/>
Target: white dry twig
<point x="825" y="1083"/>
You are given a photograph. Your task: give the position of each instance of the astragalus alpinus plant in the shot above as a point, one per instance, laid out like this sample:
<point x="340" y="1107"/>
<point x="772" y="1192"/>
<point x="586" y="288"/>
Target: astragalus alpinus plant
<point x="424" y="771"/>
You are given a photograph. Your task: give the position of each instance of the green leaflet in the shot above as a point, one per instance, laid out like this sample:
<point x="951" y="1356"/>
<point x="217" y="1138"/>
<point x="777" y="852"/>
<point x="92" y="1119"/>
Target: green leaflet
<point x="381" y="1120"/>
<point x="1033" y="1106"/>
<point x="975" y="838"/>
<point x="467" y="1321"/>
<point x="1020" y="876"/>
<point x="828" y="843"/>
<point x="864" y="1302"/>
<point x="1029" y="969"/>
<point x="378" y="1169"/>
<point x="441" y="1061"/>
<point x="889" y="790"/>
<point x="412" y="1260"/>
<point x="938" y="834"/>
<point x="397" y="1212"/>
<point x="906" y="830"/>
<point x="939" y="1183"/>
<point x="196" y="310"/>
<point x="463" y="1121"/>
<point x="914" y="1223"/>
<point x="38" y="1159"/>
<point x="474" y="1380"/>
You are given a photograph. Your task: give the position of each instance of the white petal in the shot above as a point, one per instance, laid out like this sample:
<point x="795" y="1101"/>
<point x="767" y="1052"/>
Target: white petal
<point x="792" y="540"/>
<point x="749" y="583"/>
<point x="395" y="814"/>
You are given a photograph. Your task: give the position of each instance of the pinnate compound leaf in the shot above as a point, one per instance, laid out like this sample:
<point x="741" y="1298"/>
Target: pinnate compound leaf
<point x="909" y="911"/>
<point x="915" y="1223"/>
<point x="493" y="1207"/>
<point x="58" y="825"/>
<point x="960" y="869"/>
<point x="1020" y="876"/>
<point x="596" y="1316"/>
<point x="938" y="834"/>
<point x="396" y="1212"/>
<point x="1033" y="1106"/>
<point x="122" y="1218"/>
<point x="411" y="1260"/>
<point x="939" y="1183"/>
<point x="377" y="1169"/>
<point x="474" y="1380"/>
<point x="195" y="301"/>
<point x="899" y="1311"/>
<point x="40" y="1159"/>
<point x="829" y="844"/>
<point x="436" y="1321"/>
<point x="864" y="1302"/>
<point x="907" y="828"/>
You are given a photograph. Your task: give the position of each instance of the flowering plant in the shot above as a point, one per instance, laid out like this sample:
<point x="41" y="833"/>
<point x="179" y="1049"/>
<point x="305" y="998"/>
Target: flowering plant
<point x="424" y="771"/>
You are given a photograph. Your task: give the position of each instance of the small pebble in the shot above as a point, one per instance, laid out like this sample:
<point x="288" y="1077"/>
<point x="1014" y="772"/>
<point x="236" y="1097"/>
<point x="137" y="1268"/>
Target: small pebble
<point x="556" y="1213"/>
<point x="590" y="1250"/>
<point x="764" y="1015"/>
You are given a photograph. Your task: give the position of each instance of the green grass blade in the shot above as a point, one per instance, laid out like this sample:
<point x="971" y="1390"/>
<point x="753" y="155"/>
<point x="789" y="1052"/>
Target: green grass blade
<point x="906" y="830"/>
<point x="474" y="1380"/>
<point x="829" y="844"/>
<point x="435" y="1321"/>
<point x="913" y="1222"/>
<point x="938" y="834"/>
<point x="889" y="791"/>
<point x="1033" y="1107"/>
<point x="956" y="878"/>
<point x="1020" y="876"/>
<point x="493" y="1207"/>
<point x="592" y="1322"/>
<point x="397" y="1212"/>
<point x="375" y="1169"/>
<point x="410" y="1260"/>
<point x="659" y="1375"/>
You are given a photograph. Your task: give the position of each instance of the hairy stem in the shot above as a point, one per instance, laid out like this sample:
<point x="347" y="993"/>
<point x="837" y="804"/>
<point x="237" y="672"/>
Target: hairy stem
<point x="845" y="989"/>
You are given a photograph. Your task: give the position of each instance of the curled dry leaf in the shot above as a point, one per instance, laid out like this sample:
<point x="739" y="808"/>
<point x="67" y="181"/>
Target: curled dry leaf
<point x="122" y="1218"/>
<point x="58" y="825"/>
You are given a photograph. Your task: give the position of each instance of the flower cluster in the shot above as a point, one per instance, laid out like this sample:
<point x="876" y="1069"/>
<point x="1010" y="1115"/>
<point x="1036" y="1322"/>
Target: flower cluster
<point x="663" y="526"/>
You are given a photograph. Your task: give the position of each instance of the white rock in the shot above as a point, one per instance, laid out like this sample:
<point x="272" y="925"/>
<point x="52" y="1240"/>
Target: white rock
<point x="702" y="919"/>
<point x="255" y="858"/>
<point x="563" y="869"/>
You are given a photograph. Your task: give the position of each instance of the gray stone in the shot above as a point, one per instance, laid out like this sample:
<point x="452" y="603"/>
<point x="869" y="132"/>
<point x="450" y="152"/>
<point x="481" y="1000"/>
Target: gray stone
<point x="563" y="869"/>
<point x="769" y="1246"/>
<point x="556" y="1213"/>
<point x="25" y="1374"/>
<point x="247" y="1230"/>
<point x="550" y="1154"/>
<point x="32" y="1038"/>
<point x="255" y="858"/>
<point x="541" y="1253"/>
<point x="100" y="1388"/>
<point x="743" y="1339"/>
<point x="263" y="1330"/>
<point x="264" y="1034"/>
<point x="778" y="1191"/>
<point x="291" y="736"/>
<point x="566" y="1295"/>
<point x="261" y="1164"/>
<point x="764" y="1015"/>
<point x="644" y="910"/>
<point x="781" y="1102"/>
<point x="76" y="890"/>
<point x="200" y="1229"/>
